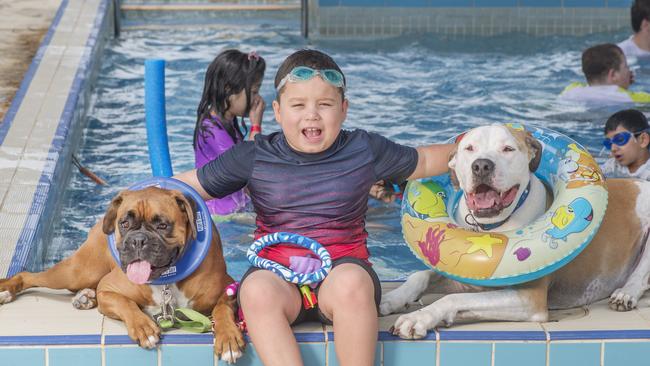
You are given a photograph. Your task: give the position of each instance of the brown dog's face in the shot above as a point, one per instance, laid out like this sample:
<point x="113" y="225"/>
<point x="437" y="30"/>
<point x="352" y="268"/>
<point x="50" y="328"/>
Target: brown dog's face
<point x="151" y="226"/>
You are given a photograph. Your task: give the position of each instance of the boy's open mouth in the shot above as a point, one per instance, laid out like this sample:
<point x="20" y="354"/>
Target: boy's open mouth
<point x="312" y="133"/>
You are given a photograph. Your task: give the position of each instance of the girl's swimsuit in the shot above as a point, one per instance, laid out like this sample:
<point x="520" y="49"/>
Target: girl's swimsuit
<point x="213" y="142"/>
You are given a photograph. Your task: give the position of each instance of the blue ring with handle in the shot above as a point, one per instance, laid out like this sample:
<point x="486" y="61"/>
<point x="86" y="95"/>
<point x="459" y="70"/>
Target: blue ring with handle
<point x="284" y="272"/>
<point x="196" y="250"/>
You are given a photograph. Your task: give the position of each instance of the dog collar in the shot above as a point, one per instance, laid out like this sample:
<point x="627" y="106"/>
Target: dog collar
<point x="196" y="250"/>
<point x="488" y="227"/>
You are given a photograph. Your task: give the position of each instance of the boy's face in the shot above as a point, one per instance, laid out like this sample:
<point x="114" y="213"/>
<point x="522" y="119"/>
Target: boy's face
<point x="310" y="114"/>
<point x="632" y="152"/>
<point x="623" y="76"/>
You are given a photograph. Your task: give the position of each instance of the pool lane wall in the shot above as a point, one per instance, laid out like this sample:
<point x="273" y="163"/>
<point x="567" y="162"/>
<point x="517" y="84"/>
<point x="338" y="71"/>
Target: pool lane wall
<point x="361" y="19"/>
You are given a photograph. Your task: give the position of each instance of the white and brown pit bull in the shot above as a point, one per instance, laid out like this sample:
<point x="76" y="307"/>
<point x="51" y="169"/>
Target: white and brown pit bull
<point x="492" y="165"/>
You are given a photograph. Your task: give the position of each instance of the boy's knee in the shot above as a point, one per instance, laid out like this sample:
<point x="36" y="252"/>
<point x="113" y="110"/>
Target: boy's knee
<point x="355" y="286"/>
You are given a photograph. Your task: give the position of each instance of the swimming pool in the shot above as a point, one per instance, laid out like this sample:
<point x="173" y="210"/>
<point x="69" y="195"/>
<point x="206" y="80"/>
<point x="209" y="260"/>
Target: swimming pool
<point x="414" y="90"/>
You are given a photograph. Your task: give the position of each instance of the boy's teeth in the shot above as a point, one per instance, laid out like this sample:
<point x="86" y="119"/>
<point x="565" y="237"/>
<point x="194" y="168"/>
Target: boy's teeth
<point x="310" y="132"/>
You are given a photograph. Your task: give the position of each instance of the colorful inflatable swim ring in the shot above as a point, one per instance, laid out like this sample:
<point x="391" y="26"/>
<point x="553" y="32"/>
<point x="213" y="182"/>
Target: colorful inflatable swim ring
<point x="196" y="250"/>
<point x="284" y="272"/>
<point x="517" y="256"/>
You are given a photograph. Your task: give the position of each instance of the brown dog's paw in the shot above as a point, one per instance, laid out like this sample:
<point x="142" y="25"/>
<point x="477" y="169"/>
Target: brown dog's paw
<point x="143" y="330"/>
<point x="8" y="290"/>
<point x="85" y="299"/>
<point x="229" y="343"/>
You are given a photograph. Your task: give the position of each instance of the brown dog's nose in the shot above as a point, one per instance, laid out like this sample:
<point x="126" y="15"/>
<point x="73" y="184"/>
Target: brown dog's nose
<point x="482" y="167"/>
<point x="138" y="240"/>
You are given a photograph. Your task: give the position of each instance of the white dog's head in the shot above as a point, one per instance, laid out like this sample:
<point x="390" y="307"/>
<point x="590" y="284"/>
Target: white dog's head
<point x="492" y="165"/>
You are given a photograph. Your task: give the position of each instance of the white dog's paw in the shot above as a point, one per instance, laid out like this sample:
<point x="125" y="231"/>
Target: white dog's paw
<point x="391" y="303"/>
<point x="624" y="299"/>
<point x="5" y="297"/>
<point x="231" y="356"/>
<point x="415" y="325"/>
<point x="85" y="299"/>
<point x="151" y="342"/>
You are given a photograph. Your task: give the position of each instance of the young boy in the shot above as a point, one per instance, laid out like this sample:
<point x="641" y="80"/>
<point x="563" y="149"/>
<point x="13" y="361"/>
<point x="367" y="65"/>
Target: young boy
<point x="638" y="45"/>
<point x="608" y="78"/>
<point x="627" y="135"/>
<point x="313" y="178"/>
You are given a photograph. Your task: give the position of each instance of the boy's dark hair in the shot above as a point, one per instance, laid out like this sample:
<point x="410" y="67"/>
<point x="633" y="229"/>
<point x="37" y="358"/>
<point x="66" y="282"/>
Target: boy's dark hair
<point x="310" y="58"/>
<point x="631" y="119"/>
<point x="639" y="11"/>
<point x="599" y="59"/>
<point x="228" y="74"/>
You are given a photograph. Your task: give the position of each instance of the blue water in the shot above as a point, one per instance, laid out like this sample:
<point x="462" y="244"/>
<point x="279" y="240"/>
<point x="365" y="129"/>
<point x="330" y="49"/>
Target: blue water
<point x="414" y="90"/>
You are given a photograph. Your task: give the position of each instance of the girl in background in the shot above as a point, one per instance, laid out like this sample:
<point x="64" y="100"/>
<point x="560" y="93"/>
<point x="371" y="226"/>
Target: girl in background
<point x="230" y="93"/>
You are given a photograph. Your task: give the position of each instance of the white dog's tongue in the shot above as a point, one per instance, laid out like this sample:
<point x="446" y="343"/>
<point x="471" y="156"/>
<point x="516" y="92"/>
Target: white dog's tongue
<point x="138" y="272"/>
<point x="485" y="199"/>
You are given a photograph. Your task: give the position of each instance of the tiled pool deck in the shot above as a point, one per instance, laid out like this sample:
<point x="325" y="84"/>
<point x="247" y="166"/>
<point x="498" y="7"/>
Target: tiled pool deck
<point x="40" y="130"/>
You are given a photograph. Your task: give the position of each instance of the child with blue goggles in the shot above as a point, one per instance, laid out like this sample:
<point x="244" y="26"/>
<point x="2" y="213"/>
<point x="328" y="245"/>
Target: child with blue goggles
<point x="627" y="136"/>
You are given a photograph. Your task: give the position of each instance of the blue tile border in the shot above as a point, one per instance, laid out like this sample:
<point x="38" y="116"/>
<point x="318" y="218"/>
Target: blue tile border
<point x="448" y="335"/>
<point x="599" y="334"/>
<point x="387" y="336"/>
<point x="26" y="239"/>
<point x="42" y="340"/>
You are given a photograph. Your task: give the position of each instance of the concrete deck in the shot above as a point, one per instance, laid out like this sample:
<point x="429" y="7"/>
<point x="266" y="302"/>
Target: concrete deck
<point x="24" y="24"/>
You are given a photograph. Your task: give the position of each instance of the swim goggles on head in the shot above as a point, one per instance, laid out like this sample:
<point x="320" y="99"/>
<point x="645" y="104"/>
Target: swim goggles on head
<point x="304" y="73"/>
<point x="621" y="138"/>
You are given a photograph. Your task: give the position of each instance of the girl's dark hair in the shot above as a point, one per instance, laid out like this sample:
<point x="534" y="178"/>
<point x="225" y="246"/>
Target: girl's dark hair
<point x="229" y="73"/>
<point x="631" y="119"/>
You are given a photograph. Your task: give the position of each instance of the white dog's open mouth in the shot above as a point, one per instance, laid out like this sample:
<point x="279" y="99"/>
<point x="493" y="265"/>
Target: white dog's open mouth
<point x="486" y="201"/>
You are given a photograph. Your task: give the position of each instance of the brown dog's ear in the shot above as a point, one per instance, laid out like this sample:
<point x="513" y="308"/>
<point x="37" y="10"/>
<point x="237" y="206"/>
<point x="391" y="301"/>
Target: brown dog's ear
<point x="534" y="152"/>
<point x="188" y="207"/>
<point x="108" y="224"/>
<point x="452" y="168"/>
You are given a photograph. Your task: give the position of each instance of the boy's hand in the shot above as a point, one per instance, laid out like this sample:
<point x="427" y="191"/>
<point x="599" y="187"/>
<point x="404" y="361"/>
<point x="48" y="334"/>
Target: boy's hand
<point x="301" y="264"/>
<point x="380" y="192"/>
<point x="257" y="110"/>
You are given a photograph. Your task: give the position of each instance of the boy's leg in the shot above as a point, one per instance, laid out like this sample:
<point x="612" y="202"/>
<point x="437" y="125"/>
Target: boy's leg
<point x="348" y="298"/>
<point x="270" y="305"/>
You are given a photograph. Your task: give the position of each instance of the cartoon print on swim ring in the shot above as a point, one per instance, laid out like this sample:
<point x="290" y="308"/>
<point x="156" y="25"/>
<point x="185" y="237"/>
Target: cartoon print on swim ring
<point x="510" y="257"/>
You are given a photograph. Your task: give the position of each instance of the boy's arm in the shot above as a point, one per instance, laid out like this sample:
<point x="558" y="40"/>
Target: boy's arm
<point x="432" y="160"/>
<point x="189" y="177"/>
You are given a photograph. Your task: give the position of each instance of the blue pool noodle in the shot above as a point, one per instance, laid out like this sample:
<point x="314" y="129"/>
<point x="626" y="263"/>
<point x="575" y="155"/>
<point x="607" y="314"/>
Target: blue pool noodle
<point x="154" y="109"/>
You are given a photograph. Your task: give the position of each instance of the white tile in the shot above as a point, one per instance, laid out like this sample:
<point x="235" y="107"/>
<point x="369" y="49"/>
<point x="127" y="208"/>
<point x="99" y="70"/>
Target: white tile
<point x="600" y="317"/>
<point x="47" y="312"/>
<point x="19" y="198"/>
<point x="8" y="239"/>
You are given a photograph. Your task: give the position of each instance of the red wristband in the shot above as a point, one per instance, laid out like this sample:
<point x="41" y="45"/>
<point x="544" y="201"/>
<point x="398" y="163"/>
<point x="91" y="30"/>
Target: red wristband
<point x="256" y="128"/>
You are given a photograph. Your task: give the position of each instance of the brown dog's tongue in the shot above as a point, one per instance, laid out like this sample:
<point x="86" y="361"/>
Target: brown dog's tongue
<point x="138" y="272"/>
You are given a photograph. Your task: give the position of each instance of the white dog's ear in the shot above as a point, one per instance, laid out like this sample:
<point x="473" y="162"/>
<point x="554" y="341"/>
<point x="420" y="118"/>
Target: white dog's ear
<point x="452" y="168"/>
<point x="534" y="152"/>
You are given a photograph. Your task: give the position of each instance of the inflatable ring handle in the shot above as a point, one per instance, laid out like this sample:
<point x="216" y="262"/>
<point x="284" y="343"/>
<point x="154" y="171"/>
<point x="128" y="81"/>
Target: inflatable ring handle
<point x="284" y="272"/>
<point x="196" y="250"/>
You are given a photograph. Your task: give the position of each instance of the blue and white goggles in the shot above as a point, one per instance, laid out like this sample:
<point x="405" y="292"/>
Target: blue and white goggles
<point x="304" y="73"/>
<point x="622" y="138"/>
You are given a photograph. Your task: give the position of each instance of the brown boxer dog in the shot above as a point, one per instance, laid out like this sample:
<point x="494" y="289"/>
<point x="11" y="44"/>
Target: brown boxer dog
<point x="152" y="227"/>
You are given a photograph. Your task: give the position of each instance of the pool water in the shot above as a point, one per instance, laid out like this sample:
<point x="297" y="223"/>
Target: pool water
<point x="415" y="90"/>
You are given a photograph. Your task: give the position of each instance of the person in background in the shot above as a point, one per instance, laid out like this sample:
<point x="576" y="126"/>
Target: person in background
<point x="608" y="79"/>
<point x="312" y="178"/>
<point x="627" y="136"/>
<point x="637" y="47"/>
<point x="230" y="93"/>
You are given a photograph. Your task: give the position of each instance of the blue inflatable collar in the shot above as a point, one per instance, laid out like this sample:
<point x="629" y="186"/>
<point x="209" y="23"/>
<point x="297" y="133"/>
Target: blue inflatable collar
<point x="196" y="250"/>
